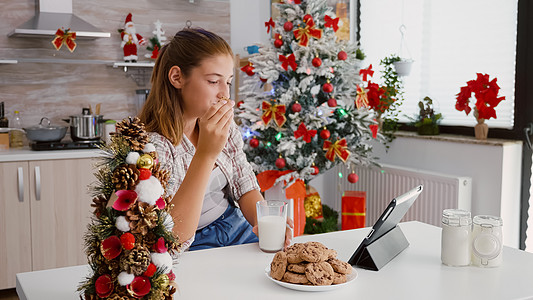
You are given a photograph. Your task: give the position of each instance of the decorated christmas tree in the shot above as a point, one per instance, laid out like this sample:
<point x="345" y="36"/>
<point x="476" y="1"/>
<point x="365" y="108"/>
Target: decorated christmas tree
<point x="129" y="239"/>
<point x="308" y="121"/>
<point x="156" y="41"/>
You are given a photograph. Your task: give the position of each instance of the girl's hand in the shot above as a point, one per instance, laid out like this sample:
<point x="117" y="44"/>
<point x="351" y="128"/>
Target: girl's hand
<point x="214" y="128"/>
<point x="288" y="232"/>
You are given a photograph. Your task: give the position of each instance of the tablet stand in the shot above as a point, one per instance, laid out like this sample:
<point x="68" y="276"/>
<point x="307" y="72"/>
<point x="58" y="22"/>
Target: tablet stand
<point x="382" y="250"/>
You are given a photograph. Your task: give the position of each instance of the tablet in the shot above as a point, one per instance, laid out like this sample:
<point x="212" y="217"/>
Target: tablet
<point x="388" y="220"/>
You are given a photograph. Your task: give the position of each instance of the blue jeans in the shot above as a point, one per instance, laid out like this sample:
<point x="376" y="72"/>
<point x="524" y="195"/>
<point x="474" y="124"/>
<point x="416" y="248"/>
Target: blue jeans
<point x="229" y="229"/>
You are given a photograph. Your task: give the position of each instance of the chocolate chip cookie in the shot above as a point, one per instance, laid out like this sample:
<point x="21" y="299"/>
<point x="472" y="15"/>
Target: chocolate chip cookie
<point x="340" y="266"/>
<point x="278" y="266"/>
<point x="295" y="278"/>
<point x="320" y="273"/>
<point x="313" y="252"/>
<point x="297" y="268"/>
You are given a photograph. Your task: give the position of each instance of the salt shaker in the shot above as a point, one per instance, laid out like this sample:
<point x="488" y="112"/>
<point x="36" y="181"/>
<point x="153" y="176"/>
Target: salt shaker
<point x="487" y="241"/>
<point x="455" y="243"/>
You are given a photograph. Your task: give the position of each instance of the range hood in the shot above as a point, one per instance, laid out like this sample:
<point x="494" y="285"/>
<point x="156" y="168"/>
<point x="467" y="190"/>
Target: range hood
<point x="51" y="15"/>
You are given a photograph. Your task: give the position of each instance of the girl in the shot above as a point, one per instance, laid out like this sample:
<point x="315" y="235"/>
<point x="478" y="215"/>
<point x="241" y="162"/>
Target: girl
<point x="190" y="120"/>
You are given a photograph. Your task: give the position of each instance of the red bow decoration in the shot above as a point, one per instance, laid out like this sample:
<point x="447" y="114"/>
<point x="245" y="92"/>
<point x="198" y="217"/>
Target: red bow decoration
<point x="374" y="128"/>
<point x="65" y="37"/>
<point x="361" y="100"/>
<point x="273" y="111"/>
<point x="288" y="61"/>
<point x="155" y="52"/>
<point x="269" y="24"/>
<point x="338" y="148"/>
<point x="303" y="34"/>
<point x="366" y="72"/>
<point x="307" y="134"/>
<point x="330" y="22"/>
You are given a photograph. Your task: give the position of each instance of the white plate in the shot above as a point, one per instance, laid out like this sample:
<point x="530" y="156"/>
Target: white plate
<point x="313" y="288"/>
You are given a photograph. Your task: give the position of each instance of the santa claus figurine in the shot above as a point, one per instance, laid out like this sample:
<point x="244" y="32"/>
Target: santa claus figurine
<point x="130" y="40"/>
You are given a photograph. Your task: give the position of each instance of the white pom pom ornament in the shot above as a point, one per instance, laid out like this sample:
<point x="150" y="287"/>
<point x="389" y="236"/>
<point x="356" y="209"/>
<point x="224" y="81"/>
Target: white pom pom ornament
<point x="132" y="158"/>
<point x="122" y="224"/>
<point x="162" y="260"/>
<point x="149" y="190"/>
<point x="149" y="148"/>
<point x="125" y="278"/>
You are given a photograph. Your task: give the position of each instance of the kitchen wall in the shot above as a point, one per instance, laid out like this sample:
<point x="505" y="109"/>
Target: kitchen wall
<point x="60" y="90"/>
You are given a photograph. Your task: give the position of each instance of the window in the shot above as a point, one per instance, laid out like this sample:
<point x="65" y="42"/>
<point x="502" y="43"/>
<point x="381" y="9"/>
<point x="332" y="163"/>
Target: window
<point x="450" y="41"/>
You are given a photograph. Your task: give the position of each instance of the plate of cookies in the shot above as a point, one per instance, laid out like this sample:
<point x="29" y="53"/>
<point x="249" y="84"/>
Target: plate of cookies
<point x="310" y="267"/>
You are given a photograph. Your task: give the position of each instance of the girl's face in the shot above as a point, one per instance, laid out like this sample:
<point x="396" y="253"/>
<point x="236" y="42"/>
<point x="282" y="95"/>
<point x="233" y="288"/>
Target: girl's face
<point x="206" y="84"/>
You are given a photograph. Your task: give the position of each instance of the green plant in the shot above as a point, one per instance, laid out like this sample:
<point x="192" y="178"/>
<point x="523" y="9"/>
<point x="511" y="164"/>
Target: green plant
<point x="328" y="224"/>
<point x="393" y="96"/>
<point x="427" y="120"/>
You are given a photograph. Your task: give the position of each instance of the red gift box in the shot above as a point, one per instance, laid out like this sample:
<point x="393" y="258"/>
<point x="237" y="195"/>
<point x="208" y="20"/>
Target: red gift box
<point x="353" y="209"/>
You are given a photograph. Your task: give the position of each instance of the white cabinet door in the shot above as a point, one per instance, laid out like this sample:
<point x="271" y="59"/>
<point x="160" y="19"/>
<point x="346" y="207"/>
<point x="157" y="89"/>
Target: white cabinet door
<point x="60" y="211"/>
<point x="15" y="237"/>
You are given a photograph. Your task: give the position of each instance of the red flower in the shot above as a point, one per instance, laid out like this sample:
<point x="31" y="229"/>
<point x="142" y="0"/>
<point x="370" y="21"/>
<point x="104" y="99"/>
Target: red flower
<point x="486" y="94"/>
<point x="125" y="201"/>
<point x="139" y="287"/>
<point x="159" y="246"/>
<point x="127" y="240"/>
<point x="150" y="271"/>
<point x="104" y="286"/>
<point x="171" y="275"/>
<point x="111" y="247"/>
<point x="160" y="203"/>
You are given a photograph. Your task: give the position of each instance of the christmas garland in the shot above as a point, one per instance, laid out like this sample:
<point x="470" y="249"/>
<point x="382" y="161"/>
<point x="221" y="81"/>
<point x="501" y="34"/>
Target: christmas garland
<point x="129" y="239"/>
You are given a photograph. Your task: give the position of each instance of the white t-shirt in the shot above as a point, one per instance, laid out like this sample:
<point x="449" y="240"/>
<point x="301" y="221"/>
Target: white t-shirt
<point x="215" y="199"/>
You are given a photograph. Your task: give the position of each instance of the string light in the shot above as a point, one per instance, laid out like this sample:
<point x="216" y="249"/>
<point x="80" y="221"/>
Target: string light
<point x="268" y="144"/>
<point x="340" y="175"/>
<point x="278" y="136"/>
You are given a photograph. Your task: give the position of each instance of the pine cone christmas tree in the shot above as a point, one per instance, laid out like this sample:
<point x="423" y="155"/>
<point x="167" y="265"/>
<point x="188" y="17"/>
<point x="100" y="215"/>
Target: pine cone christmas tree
<point x="122" y="234"/>
<point x="125" y="177"/>
<point x="132" y="129"/>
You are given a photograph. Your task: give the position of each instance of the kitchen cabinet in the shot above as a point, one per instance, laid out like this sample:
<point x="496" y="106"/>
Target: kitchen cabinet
<point x="44" y="212"/>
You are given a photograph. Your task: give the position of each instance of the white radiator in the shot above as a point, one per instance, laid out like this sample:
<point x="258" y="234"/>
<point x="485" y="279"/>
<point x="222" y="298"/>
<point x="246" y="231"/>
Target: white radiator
<point x="382" y="184"/>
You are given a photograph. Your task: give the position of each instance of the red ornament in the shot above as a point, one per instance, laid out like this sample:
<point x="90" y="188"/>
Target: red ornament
<point x="307" y="17"/>
<point x="144" y="174"/>
<point x="317" y="62"/>
<point x="239" y="104"/>
<point x="353" y="178"/>
<point x="254" y="143"/>
<point x="262" y="80"/>
<point x="150" y="271"/>
<point x="288" y="26"/>
<point x="160" y="246"/>
<point x="127" y="240"/>
<point x="280" y="163"/>
<point x="342" y="55"/>
<point x="139" y="287"/>
<point x="327" y="87"/>
<point x="250" y="72"/>
<point x="104" y="286"/>
<point x="111" y="247"/>
<point x="296" y="107"/>
<point x="315" y="172"/>
<point x="278" y="43"/>
<point x="325" y="134"/>
<point x="332" y="102"/>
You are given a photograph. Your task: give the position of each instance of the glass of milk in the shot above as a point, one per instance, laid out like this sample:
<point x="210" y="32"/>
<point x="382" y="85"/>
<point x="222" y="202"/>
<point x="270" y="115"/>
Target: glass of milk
<point x="271" y="221"/>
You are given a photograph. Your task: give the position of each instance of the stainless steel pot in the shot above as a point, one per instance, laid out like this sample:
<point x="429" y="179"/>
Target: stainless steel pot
<point x="86" y="127"/>
<point x="45" y="133"/>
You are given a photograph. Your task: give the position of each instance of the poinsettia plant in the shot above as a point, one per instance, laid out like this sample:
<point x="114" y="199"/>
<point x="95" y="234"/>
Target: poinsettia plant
<point x="486" y="94"/>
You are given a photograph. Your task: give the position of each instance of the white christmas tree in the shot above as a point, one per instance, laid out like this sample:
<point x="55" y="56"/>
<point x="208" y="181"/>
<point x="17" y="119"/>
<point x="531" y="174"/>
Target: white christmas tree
<point x="308" y="121"/>
<point x="156" y="41"/>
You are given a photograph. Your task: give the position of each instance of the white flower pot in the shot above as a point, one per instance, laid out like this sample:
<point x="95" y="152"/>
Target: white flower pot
<point x="403" y="67"/>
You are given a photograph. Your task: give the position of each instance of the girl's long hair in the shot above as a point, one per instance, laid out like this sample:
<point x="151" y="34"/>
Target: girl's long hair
<point x="163" y="110"/>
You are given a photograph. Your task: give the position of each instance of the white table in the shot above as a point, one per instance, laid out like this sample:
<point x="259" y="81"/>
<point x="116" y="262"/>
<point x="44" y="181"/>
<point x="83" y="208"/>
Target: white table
<point x="237" y="272"/>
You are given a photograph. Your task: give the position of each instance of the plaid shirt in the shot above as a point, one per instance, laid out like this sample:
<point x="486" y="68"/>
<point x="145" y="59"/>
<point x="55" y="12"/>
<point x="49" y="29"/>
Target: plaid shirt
<point x="232" y="162"/>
